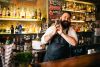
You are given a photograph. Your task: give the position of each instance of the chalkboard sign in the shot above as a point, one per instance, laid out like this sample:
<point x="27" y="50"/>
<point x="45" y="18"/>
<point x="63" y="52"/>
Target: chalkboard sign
<point x="54" y="9"/>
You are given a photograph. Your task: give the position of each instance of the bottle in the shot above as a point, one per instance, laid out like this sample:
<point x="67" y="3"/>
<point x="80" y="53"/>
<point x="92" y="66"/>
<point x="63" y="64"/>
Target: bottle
<point x="18" y="13"/>
<point x="4" y="12"/>
<point x="12" y="29"/>
<point x="28" y="15"/>
<point x="22" y="43"/>
<point x="64" y="6"/>
<point x="14" y="12"/>
<point x="25" y="47"/>
<point x="35" y="14"/>
<point x="14" y="45"/>
<point x="17" y="42"/>
<point x="20" y="29"/>
<point x="8" y="13"/>
<point x="37" y="37"/>
<point x="22" y="13"/>
<point x="8" y="41"/>
<point x="16" y="30"/>
<point x="0" y="12"/>
<point x="11" y="12"/>
<point x="40" y="14"/>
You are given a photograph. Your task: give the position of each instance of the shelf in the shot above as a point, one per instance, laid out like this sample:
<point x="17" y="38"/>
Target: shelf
<point x="5" y="1"/>
<point x="15" y="19"/>
<point x="79" y="21"/>
<point x="21" y="34"/>
<point x="80" y="2"/>
<point x="73" y="11"/>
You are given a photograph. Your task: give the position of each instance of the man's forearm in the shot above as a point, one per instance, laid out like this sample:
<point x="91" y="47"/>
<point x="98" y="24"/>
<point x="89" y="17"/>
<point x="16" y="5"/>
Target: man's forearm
<point x="69" y="39"/>
<point x="46" y="38"/>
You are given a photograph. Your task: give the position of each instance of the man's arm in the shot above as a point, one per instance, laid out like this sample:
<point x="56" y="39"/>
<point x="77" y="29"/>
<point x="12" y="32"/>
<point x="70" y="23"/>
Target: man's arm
<point x="48" y="34"/>
<point x="71" y="37"/>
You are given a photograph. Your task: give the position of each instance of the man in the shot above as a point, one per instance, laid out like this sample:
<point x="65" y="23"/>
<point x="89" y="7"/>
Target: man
<point x="59" y="37"/>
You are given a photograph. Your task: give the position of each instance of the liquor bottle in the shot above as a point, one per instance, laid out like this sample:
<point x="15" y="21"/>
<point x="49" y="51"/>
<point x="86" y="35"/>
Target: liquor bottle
<point x="25" y="47"/>
<point x="22" y="13"/>
<point x="35" y="14"/>
<point x="28" y="15"/>
<point x="8" y="13"/>
<point x="16" y="30"/>
<point x="82" y="28"/>
<point x="18" y="13"/>
<point x="39" y="14"/>
<point x="64" y="6"/>
<point x="17" y="42"/>
<point x="14" y="46"/>
<point x="22" y="43"/>
<point x="8" y="41"/>
<point x="14" y="12"/>
<point x="20" y="29"/>
<point x="37" y="37"/>
<point x="12" y="29"/>
<point x="0" y="12"/>
<point x="11" y="12"/>
<point x="73" y="16"/>
<point x="4" y="12"/>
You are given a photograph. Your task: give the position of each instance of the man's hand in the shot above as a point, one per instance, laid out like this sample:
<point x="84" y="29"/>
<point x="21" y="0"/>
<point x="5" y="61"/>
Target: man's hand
<point x="59" y="29"/>
<point x="43" y="46"/>
<point x="52" y="30"/>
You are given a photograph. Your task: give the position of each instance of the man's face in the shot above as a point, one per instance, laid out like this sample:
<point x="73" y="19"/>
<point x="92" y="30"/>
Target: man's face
<point x="65" y="20"/>
<point x="66" y="17"/>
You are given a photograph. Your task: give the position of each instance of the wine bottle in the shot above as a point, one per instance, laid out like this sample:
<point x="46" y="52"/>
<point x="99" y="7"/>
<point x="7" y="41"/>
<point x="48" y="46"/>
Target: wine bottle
<point x="35" y="14"/>
<point x="12" y="29"/>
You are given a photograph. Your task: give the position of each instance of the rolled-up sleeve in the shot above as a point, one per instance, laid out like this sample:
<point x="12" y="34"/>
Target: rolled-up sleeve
<point x="72" y="33"/>
<point x="48" y="31"/>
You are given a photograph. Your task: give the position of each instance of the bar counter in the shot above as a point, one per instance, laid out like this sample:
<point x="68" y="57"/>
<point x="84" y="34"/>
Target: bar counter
<point x="91" y="60"/>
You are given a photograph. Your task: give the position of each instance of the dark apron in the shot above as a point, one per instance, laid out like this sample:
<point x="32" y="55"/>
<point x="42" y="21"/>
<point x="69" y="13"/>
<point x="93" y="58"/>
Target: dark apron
<point x="58" y="48"/>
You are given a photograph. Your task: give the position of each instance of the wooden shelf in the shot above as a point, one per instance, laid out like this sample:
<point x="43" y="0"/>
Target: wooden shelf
<point x="74" y="11"/>
<point x="15" y="19"/>
<point x="80" y="2"/>
<point x="78" y="21"/>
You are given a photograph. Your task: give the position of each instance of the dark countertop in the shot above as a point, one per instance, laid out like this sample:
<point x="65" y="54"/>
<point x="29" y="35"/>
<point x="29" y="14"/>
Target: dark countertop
<point x="92" y="60"/>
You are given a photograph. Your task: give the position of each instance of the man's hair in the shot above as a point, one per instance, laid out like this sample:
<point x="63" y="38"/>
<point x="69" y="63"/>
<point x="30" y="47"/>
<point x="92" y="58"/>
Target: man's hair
<point x="66" y="12"/>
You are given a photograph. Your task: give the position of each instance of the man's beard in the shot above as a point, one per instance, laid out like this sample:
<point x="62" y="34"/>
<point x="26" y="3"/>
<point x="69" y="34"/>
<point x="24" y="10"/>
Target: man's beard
<point x="65" y="24"/>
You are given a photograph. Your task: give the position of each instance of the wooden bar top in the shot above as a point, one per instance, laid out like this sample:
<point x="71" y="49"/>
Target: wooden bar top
<point x="91" y="60"/>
